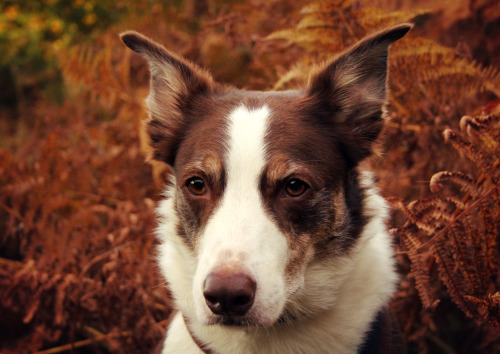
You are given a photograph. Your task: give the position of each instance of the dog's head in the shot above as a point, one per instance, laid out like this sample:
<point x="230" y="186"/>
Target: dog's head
<point x="264" y="183"/>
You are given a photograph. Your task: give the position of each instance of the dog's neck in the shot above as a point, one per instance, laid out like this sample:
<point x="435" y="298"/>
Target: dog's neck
<point x="202" y="346"/>
<point x="382" y="337"/>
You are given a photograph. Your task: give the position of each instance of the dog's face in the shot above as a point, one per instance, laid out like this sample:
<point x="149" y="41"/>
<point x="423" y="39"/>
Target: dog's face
<point x="264" y="183"/>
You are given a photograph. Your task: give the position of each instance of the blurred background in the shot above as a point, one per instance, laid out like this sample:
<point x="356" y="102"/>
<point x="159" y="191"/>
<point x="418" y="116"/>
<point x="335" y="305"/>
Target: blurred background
<point x="77" y="269"/>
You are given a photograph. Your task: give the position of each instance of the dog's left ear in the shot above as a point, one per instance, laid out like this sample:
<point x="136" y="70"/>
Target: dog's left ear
<point x="353" y="86"/>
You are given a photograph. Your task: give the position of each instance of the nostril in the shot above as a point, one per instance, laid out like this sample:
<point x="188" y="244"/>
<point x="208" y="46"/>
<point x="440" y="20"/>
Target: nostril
<point x="211" y="299"/>
<point x="229" y="293"/>
<point x="242" y="300"/>
<point x="213" y="303"/>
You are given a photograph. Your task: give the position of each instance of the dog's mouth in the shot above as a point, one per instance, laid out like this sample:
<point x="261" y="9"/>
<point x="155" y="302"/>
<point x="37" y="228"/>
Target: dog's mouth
<point x="244" y="321"/>
<point x="234" y="321"/>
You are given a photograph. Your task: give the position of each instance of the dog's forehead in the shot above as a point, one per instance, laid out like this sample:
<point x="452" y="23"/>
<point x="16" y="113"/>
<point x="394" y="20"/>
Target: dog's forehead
<point x="210" y="116"/>
<point x="290" y="131"/>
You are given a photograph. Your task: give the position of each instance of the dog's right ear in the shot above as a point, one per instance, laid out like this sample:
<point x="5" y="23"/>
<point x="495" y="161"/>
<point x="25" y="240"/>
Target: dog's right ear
<point x="175" y="82"/>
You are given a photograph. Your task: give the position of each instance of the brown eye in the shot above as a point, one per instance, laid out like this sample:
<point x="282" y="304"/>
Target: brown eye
<point x="295" y="187"/>
<point x="196" y="186"/>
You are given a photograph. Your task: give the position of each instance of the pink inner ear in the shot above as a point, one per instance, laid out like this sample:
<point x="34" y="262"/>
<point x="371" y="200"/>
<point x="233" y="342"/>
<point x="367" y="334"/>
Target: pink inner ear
<point x="369" y="90"/>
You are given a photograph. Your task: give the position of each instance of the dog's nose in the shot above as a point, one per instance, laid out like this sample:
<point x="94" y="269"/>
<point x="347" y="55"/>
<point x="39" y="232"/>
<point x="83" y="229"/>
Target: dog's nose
<point x="229" y="293"/>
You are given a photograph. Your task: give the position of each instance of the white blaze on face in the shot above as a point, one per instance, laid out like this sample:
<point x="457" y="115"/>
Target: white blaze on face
<point x="240" y="234"/>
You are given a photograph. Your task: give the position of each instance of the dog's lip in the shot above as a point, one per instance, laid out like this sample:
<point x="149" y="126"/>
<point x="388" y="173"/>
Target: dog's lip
<point x="242" y="321"/>
<point x="236" y="321"/>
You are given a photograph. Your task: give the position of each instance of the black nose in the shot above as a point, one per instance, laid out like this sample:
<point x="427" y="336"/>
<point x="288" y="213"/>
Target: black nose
<point x="229" y="293"/>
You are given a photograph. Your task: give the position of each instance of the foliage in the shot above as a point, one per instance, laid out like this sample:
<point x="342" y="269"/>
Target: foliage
<point x="457" y="234"/>
<point x="77" y="267"/>
<point x="30" y="31"/>
<point x="77" y="257"/>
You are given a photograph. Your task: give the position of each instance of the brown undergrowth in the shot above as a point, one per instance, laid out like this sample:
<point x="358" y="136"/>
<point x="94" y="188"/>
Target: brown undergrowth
<point x="452" y="240"/>
<point x="77" y="252"/>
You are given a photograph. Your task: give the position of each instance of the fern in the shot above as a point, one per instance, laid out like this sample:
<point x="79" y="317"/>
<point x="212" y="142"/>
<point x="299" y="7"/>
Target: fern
<point x="465" y="242"/>
<point x="421" y="69"/>
<point x="88" y="65"/>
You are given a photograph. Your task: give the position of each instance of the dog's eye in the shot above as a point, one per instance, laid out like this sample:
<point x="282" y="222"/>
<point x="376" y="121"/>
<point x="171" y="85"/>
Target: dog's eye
<point x="196" y="186"/>
<point x="295" y="187"/>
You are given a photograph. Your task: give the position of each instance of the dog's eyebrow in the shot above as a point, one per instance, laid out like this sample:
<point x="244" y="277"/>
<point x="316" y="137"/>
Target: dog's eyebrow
<point x="281" y="167"/>
<point x="209" y="164"/>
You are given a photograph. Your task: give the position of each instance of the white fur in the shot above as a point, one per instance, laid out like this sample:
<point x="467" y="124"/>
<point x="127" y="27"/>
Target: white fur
<point x="240" y="234"/>
<point x="335" y="304"/>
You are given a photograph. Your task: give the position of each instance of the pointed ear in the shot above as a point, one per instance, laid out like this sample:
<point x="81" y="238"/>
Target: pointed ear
<point x="352" y="90"/>
<point x="175" y="82"/>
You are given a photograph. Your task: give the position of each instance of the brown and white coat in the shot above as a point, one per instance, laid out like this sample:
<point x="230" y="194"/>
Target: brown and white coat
<point x="266" y="195"/>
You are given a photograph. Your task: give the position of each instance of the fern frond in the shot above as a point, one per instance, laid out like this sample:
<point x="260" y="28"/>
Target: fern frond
<point x="322" y="6"/>
<point x="466" y="247"/>
<point x="465" y="256"/>
<point x="295" y="77"/>
<point x="482" y="158"/>
<point x="450" y="277"/>
<point x="465" y="182"/>
<point x="312" y="40"/>
<point x="488" y="308"/>
<point x="419" y="267"/>
<point x="101" y="71"/>
<point x="379" y="18"/>
<point x="477" y="130"/>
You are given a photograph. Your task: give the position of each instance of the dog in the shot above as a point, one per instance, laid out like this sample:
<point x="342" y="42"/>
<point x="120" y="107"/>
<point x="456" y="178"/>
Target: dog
<point x="272" y="237"/>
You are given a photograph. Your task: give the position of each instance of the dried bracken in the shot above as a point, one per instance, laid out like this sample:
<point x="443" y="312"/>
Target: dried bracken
<point x="458" y="230"/>
<point x="77" y="247"/>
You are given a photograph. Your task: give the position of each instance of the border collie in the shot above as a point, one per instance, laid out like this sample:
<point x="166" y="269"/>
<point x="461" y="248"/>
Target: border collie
<point x="272" y="238"/>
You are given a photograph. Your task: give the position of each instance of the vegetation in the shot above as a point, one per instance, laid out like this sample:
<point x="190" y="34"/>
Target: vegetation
<point x="77" y="269"/>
